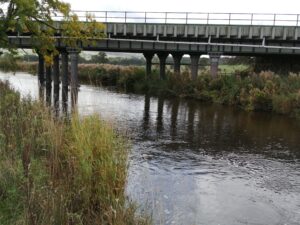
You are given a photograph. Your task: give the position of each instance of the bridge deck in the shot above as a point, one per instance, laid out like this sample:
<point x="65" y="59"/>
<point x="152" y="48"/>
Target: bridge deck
<point x="188" y="33"/>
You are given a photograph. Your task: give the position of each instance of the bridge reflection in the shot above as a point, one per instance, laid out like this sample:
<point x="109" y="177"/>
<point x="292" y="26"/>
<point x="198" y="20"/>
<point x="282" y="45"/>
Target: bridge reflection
<point x="178" y="124"/>
<point x="188" y="124"/>
<point x="58" y="99"/>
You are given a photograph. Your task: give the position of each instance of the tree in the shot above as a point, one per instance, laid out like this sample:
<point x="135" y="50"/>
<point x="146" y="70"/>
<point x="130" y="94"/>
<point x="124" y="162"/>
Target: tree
<point x="101" y="57"/>
<point x="35" y="18"/>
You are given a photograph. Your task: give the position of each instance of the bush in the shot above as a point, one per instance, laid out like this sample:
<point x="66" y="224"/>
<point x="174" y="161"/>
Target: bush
<point x="260" y="100"/>
<point x="283" y="104"/>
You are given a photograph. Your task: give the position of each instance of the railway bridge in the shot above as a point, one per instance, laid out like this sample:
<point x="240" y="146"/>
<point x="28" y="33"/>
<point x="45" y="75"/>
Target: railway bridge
<point x="162" y="33"/>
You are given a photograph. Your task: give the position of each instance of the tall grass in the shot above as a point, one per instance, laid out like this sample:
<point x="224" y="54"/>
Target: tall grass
<point x="10" y="63"/>
<point x="53" y="172"/>
<point x="106" y="74"/>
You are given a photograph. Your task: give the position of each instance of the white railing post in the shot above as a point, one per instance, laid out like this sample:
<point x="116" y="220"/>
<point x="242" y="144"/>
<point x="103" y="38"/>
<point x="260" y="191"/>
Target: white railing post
<point x="125" y="16"/>
<point x="251" y="19"/>
<point x="105" y="16"/>
<point x="186" y="17"/>
<point x="274" y="22"/>
<point x="145" y="17"/>
<point x="207" y="18"/>
<point x="297" y="23"/>
<point x="229" y="18"/>
<point x="166" y="17"/>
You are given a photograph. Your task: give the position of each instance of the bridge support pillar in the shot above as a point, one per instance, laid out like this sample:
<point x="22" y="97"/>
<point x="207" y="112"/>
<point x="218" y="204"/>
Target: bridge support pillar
<point x="214" y="64"/>
<point x="48" y="84"/>
<point x="56" y="70"/>
<point x="41" y="70"/>
<point x="194" y="65"/>
<point x="64" y="75"/>
<point x="48" y="76"/>
<point x="148" y="56"/>
<point x="162" y="64"/>
<point x="56" y="78"/>
<point x="74" y="53"/>
<point x="177" y="59"/>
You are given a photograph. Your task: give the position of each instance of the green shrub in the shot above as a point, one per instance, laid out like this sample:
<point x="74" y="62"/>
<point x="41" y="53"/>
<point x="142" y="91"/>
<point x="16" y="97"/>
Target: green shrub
<point x="260" y="100"/>
<point x="283" y="104"/>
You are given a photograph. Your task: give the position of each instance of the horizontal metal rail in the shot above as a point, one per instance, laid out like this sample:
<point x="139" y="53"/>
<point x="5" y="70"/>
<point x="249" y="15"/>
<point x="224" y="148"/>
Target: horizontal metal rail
<point x="212" y="18"/>
<point x="267" y="19"/>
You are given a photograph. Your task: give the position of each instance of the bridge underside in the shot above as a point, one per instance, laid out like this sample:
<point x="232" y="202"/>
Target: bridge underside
<point x="253" y="48"/>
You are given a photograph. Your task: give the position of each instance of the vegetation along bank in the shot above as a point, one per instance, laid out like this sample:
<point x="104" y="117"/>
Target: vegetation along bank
<point x="58" y="171"/>
<point x="264" y="91"/>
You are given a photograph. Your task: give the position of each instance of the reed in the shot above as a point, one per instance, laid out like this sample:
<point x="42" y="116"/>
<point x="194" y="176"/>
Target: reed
<point x="9" y="63"/>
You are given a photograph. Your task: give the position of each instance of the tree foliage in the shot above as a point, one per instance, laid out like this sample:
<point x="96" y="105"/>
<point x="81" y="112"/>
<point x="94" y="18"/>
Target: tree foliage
<point x="39" y="19"/>
<point x="101" y="57"/>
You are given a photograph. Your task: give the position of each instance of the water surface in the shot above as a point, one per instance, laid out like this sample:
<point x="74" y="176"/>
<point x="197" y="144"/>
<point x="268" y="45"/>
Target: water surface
<point x="202" y="164"/>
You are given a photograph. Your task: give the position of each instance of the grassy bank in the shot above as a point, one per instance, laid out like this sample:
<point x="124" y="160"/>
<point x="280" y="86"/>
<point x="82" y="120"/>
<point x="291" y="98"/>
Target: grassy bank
<point x="113" y="75"/>
<point x="56" y="172"/>
<point x="10" y="63"/>
<point x="265" y="91"/>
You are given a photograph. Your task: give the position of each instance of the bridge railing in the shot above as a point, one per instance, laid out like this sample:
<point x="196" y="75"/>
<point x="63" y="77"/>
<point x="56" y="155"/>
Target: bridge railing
<point x="191" y="18"/>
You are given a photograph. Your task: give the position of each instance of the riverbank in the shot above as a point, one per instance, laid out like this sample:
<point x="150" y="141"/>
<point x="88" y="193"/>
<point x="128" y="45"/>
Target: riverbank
<point x="265" y="91"/>
<point x="10" y="64"/>
<point x="60" y="172"/>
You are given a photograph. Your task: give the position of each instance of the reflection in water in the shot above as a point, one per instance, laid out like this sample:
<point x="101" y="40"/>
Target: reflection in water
<point x="191" y="120"/>
<point x="219" y="128"/>
<point x="146" y="112"/>
<point x="55" y="96"/>
<point x="160" y="111"/>
<point x="74" y="99"/>
<point x="197" y="163"/>
<point x="216" y="165"/>
<point x="174" y="113"/>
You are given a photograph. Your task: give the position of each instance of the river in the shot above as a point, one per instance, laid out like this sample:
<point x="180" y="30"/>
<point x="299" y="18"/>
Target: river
<point x="200" y="164"/>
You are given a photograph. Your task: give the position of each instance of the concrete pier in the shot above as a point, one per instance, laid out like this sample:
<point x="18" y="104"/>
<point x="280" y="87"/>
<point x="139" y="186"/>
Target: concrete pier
<point x="56" y="80"/>
<point x="48" y="84"/>
<point x="194" y="65"/>
<point x="56" y="71"/>
<point x="177" y="59"/>
<point x="48" y="76"/>
<point x="64" y="75"/>
<point x="162" y="64"/>
<point x="41" y="70"/>
<point x="148" y="56"/>
<point x="74" y="54"/>
<point x="214" y="64"/>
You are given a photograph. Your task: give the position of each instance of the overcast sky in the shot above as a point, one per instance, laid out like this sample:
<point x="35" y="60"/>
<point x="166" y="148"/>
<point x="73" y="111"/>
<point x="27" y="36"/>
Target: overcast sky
<point x="269" y="6"/>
